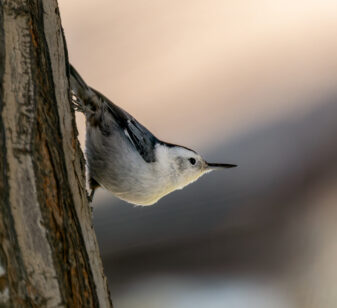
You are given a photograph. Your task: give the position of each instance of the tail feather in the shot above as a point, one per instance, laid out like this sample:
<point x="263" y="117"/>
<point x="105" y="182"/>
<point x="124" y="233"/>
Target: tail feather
<point x="76" y="80"/>
<point x="84" y="99"/>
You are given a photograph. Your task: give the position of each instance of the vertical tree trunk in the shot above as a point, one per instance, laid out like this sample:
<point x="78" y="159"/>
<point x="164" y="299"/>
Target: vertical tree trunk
<point x="48" y="251"/>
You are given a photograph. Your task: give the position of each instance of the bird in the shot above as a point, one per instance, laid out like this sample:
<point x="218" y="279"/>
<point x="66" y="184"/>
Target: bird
<point x="125" y="158"/>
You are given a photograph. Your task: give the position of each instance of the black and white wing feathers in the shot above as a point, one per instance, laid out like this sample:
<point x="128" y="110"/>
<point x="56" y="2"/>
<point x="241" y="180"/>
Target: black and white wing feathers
<point x="139" y="136"/>
<point x="94" y="104"/>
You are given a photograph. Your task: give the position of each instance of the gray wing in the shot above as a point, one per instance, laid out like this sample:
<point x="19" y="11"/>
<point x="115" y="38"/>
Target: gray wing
<point x="138" y="135"/>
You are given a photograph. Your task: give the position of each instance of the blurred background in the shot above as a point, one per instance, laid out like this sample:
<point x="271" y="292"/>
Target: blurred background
<point x="246" y="82"/>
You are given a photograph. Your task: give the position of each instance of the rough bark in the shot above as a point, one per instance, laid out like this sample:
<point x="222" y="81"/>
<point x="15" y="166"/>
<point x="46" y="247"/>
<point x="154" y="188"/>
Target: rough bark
<point x="48" y="251"/>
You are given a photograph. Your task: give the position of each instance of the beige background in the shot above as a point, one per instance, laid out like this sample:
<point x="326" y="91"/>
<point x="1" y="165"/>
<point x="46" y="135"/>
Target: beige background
<point x="195" y="71"/>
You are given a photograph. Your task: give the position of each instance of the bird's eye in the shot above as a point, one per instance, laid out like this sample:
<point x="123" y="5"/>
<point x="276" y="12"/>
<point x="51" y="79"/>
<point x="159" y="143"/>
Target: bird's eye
<point x="192" y="160"/>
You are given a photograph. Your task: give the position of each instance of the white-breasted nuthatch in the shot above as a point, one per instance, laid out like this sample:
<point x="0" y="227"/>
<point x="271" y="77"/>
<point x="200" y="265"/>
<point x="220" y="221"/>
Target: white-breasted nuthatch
<point x="125" y="157"/>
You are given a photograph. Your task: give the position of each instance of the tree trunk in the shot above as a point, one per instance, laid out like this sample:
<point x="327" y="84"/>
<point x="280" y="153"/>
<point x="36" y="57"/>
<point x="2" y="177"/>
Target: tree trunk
<point x="48" y="250"/>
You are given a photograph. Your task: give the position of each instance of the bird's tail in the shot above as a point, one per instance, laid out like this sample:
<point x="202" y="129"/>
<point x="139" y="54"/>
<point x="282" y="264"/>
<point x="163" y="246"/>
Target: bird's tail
<point x="84" y="98"/>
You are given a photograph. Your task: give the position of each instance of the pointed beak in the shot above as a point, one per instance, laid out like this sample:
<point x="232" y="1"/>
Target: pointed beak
<point x="215" y="166"/>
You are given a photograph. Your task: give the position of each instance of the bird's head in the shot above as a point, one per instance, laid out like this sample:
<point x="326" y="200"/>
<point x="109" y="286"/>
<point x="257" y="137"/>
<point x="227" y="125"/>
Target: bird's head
<point x="184" y="166"/>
